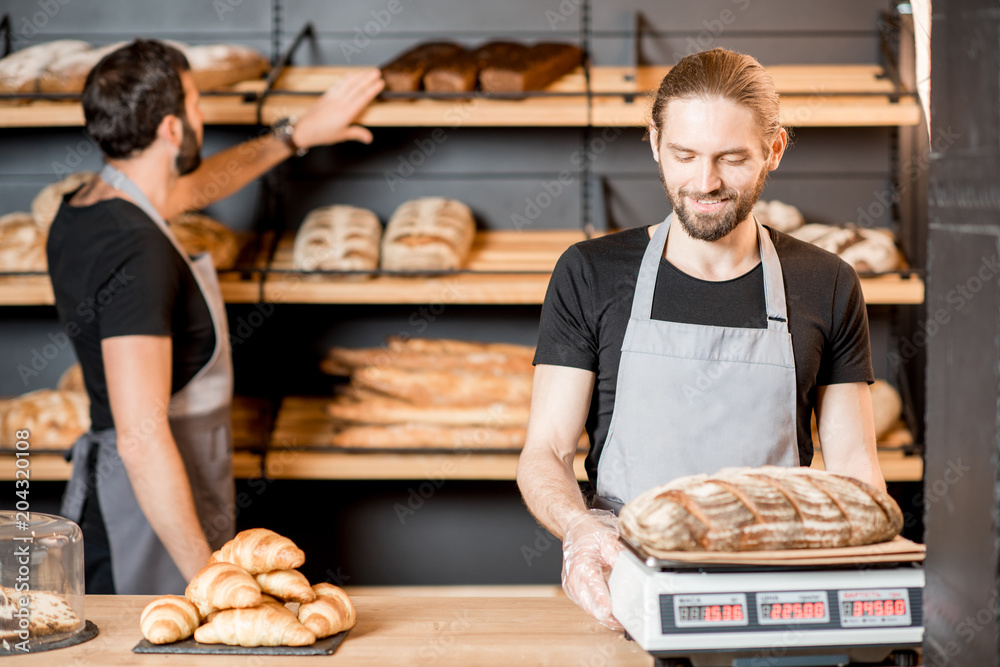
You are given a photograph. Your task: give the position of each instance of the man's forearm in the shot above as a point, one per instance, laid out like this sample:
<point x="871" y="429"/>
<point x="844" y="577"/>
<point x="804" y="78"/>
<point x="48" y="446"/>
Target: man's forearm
<point x="225" y="173"/>
<point x="162" y="488"/>
<point x="550" y="489"/>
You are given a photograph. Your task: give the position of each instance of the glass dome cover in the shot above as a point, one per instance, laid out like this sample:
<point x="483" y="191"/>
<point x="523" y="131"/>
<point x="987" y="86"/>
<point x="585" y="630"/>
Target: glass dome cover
<point x="41" y="580"/>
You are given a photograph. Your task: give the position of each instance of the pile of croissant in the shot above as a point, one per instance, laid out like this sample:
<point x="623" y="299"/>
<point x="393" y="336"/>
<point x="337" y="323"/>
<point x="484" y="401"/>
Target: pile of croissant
<point x="239" y="599"/>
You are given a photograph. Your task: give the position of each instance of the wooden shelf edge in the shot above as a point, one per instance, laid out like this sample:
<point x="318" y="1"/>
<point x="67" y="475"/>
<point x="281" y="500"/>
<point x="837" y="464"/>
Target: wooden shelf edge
<point x="54" y="468"/>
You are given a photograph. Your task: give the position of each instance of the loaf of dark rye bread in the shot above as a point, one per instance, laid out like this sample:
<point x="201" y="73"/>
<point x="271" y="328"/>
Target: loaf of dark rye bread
<point x="534" y="69"/>
<point x="459" y="74"/>
<point x="405" y="73"/>
<point x="755" y="509"/>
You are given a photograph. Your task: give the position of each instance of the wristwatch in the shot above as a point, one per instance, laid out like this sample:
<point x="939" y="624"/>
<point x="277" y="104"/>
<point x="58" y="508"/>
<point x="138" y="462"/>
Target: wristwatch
<point x="283" y="131"/>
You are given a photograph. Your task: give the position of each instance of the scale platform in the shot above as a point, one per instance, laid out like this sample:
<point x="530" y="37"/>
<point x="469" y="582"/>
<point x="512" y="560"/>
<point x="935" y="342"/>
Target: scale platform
<point x="774" y="612"/>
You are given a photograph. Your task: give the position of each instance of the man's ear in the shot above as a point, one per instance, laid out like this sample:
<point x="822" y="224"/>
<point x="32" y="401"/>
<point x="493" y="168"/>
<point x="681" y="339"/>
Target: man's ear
<point x="778" y="147"/>
<point x="654" y="142"/>
<point x="171" y="130"/>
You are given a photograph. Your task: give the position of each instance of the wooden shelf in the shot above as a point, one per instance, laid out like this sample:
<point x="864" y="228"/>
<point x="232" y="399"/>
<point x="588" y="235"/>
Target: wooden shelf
<point x="811" y="95"/>
<point x="36" y="290"/>
<point x="52" y="467"/>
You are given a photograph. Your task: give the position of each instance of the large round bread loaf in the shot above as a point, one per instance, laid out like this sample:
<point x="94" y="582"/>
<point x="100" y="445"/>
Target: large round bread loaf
<point x="20" y="71"/>
<point x="753" y="509"/>
<point x="428" y="234"/>
<point x="68" y="73"/>
<point x="198" y="233"/>
<point x="54" y="418"/>
<point x="220" y="65"/>
<point x="338" y="238"/>
<point x="47" y="202"/>
<point x="22" y="243"/>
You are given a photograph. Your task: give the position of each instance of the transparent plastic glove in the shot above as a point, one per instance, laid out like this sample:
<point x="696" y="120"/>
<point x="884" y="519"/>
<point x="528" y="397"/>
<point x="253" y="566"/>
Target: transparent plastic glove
<point x="590" y="550"/>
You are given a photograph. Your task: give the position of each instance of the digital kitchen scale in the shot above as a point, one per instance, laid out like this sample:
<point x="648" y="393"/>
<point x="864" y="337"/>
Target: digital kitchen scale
<point x="725" y="615"/>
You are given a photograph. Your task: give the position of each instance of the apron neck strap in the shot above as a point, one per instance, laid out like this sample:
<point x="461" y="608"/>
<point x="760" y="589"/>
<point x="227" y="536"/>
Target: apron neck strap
<point x="774" y="287"/>
<point x="122" y="183"/>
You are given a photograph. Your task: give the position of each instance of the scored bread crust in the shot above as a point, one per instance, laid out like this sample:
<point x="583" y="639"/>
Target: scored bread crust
<point x="198" y="233"/>
<point x="338" y="238"/>
<point x="21" y="70"/>
<point x="54" y="418"/>
<point x="22" y="243"/>
<point x="428" y="234"/>
<point x="754" y="509"/>
<point x="46" y="203"/>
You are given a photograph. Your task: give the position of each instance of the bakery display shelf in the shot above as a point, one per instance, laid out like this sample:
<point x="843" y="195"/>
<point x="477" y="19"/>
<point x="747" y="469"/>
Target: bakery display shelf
<point x="36" y="290"/>
<point x="251" y="420"/>
<point x="300" y="449"/>
<point x="811" y="95"/>
<point x="504" y="267"/>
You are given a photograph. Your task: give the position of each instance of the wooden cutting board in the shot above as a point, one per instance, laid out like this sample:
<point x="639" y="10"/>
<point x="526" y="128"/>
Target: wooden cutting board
<point x="898" y="550"/>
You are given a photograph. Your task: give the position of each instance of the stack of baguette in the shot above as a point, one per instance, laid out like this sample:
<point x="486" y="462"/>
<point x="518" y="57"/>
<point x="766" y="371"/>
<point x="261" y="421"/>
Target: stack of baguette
<point x="240" y="598"/>
<point x="431" y="393"/>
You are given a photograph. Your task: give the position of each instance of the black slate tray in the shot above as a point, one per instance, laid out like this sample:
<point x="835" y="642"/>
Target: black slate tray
<point x="324" y="646"/>
<point x="88" y="632"/>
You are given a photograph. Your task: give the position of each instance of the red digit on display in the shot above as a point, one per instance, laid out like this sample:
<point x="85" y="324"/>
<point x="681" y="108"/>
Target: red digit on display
<point x="877" y="611"/>
<point x="737" y="612"/>
<point x="869" y="608"/>
<point x="714" y="613"/>
<point x="900" y="607"/>
<point x="786" y="611"/>
<point x="775" y="611"/>
<point x="857" y="609"/>
<point x="797" y="610"/>
<point x="819" y="610"/>
<point x="807" y="610"/>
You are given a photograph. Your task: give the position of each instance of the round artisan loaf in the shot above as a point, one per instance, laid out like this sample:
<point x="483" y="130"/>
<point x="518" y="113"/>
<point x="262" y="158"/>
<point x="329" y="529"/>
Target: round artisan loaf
<point x="54" y="418"/>
<point x="21" y="70"/>
<point x="72" y="379"/>
<point x="198" y="233"/>
<point x="756" y="509"/>
<point x="876" y="252"/>
<point x="68" y="73"/>
<point x="338" y="238"/>
<point x="428" y="234"/>
<point x="778" y="215"/>
<point x="22" y="243"/>
<point x="47" y="202"/>
<point x="220" y="65"/>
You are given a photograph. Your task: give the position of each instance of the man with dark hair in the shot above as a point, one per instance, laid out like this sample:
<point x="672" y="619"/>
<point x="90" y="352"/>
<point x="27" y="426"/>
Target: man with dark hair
<point x="152" y="482"/>
<point x="685" y="348"/>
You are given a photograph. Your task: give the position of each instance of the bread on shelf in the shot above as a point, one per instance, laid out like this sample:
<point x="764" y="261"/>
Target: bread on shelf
<point x="68" y="73"/>
<point x="22" y="244"/>
<point x="754" y="509"/>
<point x="428" y="234"/>
<point x="54" y="418"/>
<point x="405" y="73"/>
<point x="215" y="66"/>
<point x="46" y="203"/>
<point x="460" y="73"/>
<point x="197" y="233"/>
<point x="21" y="70"/>
<point x="338" y="238"/>
<point x="72" y="379"/>
<point x="867" y="250"/>
<point x="778" y="215"/>
<point x="538" y="67"/>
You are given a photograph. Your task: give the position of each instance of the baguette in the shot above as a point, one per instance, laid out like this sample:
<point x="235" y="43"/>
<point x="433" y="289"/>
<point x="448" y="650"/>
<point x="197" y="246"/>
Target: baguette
<point x="753" y="509"/>
<point x="393" y="411"/>
<point x="426" y="387"/>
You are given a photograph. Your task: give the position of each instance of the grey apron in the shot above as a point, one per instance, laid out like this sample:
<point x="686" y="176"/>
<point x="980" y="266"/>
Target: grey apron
<point x="199" y="417"/>
<point x="694" y="398"/>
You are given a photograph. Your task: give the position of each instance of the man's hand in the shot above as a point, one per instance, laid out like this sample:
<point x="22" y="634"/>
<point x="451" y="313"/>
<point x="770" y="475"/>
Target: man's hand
<point x="329" y="121"/>
<point x="590" y="550"/>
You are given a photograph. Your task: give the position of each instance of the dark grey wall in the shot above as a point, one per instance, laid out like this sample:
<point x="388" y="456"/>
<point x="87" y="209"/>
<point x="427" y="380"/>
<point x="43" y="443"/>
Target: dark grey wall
<point x="963" y="358"/>
<point x="503" y="174"/>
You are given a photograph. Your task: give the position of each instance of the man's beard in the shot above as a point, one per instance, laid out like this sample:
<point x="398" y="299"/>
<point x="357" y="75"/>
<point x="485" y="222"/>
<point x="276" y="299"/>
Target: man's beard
<point x="189" y="157"/>
<point x="713" y="226"/>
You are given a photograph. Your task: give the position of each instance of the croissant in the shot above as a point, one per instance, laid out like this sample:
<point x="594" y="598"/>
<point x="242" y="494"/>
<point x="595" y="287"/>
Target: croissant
<point x="288" y="585"/>
<point x="332" y="612"/>
<point x="260" y="550"/>
<point x="168" y="619"/>
<point x="263" y="625"/>
<point x="222" y="586"/>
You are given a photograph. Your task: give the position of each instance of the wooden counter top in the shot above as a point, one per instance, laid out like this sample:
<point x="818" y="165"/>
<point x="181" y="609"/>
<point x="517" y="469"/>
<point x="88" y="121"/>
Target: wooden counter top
<point x="457" y="631"/>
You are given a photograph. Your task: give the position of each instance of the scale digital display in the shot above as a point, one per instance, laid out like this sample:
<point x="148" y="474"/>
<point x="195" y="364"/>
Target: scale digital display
<point x="716" y="610"/>
<point x="792" y="608"/>
<point x="876" y="606"/>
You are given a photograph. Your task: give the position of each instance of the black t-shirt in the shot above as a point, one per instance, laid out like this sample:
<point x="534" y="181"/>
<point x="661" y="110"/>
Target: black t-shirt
<point x="114" y="273"/>
<point x="589" y="301"/>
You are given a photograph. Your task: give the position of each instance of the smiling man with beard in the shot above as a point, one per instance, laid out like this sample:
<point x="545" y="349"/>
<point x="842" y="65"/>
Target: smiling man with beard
<point x="152" y="482"/>
<point x="701" y="342"/>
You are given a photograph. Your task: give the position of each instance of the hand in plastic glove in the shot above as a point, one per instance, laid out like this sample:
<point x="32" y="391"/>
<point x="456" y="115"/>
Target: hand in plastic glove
<point x="590" y="550"/>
